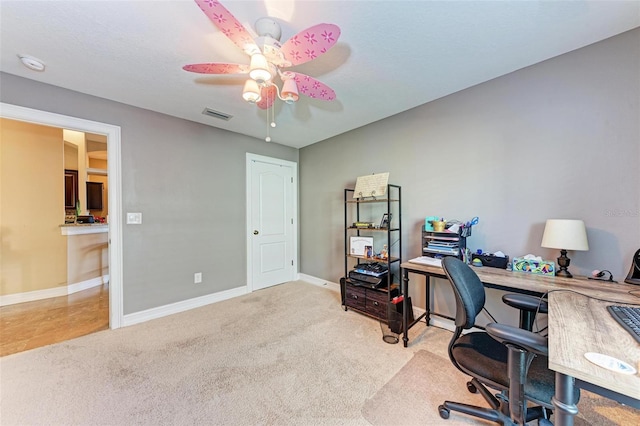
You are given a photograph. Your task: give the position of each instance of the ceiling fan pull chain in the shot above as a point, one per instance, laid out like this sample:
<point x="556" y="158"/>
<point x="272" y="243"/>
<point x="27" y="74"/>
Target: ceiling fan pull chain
<point x="268" y="138"/>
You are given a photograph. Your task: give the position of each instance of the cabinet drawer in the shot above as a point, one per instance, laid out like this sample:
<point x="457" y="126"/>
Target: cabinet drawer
<point x="355" y="297"/>
<point x="377" y="304"/>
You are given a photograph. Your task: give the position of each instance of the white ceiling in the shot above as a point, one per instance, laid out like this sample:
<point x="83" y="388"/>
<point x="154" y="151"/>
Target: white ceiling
<point x="391" y="55"/>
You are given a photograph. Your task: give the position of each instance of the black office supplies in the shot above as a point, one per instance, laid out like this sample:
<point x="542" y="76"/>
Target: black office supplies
<point x="85" y="219"/>
<point x="491" y="260"/>
<point x="628" y="317"/>
<point x="600" y="276"/>
<point x="375" y="269"/>
<point x="634" y="272"/>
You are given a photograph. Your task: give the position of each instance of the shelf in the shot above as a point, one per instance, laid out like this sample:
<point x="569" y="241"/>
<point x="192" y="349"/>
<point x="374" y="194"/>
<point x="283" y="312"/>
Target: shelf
<point x="353" y="228"/>
<point x="435" y="237"/>
<point x="379" y="200"/>
<point x="374" y="259"/>
<point x="383" y="288"/>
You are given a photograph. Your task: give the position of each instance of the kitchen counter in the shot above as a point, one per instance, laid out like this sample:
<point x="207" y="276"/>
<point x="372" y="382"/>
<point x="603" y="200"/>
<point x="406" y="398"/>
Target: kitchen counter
<point x="83" y="228"/>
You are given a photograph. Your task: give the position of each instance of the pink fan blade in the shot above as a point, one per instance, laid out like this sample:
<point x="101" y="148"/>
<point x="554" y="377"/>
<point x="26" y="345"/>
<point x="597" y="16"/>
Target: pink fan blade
<point x="217" y="68"/>
<point x="228" y="24"/>
<point x="313" y="88"/>
<point x="310" y="43"/>
<point x="268" y="94"/>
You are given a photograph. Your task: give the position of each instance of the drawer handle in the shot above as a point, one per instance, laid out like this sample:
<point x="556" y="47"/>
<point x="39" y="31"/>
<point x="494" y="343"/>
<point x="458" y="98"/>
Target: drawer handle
<point x="376" y="303"/>
<point x="354" y="296"/>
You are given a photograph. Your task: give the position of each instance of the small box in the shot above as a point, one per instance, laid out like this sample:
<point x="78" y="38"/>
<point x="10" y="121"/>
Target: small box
<point x="491" y="260"/>
<point x="533" y="266"/>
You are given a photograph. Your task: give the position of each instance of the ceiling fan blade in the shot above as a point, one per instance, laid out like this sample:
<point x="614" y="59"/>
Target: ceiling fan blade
<point x="229" y="25"/>
<point x="310" y="43"/>
<point x="268" y="95"/>
<point x="313" y="88"/>
<point x="217" y="68"/>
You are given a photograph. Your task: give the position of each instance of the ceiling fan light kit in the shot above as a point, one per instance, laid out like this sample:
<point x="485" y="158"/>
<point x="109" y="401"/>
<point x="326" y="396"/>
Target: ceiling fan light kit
<point x="259" y="69"/>
<point x="269" y="57"/>
<point x="251" y="91"/>
<point x="290" y="91"/>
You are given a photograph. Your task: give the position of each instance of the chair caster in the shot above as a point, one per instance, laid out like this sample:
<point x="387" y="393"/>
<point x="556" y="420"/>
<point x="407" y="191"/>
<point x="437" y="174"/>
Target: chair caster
<point x="471" y="387"/>
<point x="444" y="412"/>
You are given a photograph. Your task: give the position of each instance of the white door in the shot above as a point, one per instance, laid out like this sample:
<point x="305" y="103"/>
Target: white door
<point x="271" y="223"/>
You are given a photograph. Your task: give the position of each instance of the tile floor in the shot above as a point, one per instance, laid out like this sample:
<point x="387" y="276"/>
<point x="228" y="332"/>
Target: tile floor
<point x="29" y="325"/>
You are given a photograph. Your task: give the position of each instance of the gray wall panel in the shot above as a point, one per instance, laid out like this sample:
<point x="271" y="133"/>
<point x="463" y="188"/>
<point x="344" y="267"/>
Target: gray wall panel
<point x="187" y="179"/>
<point x="560" y="139"/>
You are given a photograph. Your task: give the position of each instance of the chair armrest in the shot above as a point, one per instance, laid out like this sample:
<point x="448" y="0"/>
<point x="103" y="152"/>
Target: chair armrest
<point x="526" y="302"/>
<point x="507" y="334"/>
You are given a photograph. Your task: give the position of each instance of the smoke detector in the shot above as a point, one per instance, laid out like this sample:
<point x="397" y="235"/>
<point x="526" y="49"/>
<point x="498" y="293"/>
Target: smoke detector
<point x="32" y="63"/>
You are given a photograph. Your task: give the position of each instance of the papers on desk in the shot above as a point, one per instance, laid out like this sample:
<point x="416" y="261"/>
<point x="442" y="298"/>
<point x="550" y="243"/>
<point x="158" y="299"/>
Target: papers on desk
<point x="426" y="260"/>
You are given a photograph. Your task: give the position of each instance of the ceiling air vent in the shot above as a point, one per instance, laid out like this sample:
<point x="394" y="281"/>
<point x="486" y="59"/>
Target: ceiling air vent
<point x="217" y="114"/>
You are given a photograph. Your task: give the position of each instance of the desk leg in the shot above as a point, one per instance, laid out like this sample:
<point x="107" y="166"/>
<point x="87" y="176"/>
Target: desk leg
<point x="404" y="290"/>
<point x="427" y="299"/>
<point x="565" y="407"/>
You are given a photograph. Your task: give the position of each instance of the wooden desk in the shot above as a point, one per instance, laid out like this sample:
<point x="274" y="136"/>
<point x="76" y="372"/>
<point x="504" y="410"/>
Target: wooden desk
<point x="572" y="315"/>
<point x="577" y="324"/>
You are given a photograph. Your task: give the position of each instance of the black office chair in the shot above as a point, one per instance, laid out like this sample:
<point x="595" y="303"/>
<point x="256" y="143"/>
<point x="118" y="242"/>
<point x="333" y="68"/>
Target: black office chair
<point x="508" y="359"/>
<point x="529" y="307"/>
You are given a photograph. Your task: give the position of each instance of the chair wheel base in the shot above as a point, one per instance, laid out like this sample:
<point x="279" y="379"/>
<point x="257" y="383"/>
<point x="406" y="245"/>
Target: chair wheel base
<point x="444" y="412"/>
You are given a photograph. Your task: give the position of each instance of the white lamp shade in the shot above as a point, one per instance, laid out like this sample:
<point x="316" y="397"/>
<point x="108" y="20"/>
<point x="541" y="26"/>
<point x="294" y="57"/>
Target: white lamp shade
<point x="251" y="91"/>
<point x="565" y="234"/>
<point x="259" y="68"/>
<point x="290" y="91"/>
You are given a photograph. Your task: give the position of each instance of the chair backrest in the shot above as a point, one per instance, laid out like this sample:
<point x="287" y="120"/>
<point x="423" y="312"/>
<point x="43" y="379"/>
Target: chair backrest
<point x="468" y="289"/>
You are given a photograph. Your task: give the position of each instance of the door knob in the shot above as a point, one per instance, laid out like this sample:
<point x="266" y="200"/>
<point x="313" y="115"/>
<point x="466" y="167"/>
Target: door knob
<point x="255" y="232"/>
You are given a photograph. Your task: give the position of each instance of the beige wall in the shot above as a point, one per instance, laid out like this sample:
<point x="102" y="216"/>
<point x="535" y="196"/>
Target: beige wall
<point x="70" y="156"/>
<point x="33" y="253"/>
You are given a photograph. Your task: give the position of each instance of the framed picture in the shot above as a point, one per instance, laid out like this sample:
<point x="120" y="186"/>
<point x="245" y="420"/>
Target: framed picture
<point x="361" y="246"/>
<point x="386" y="220"/>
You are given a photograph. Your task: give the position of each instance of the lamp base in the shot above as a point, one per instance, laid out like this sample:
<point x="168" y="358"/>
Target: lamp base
<point x="563" y="263"/>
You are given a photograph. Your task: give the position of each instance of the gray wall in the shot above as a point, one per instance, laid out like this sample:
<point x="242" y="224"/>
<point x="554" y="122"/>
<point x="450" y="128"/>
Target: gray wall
<point x="560" y="139"/>
<point x="187" y="179"/>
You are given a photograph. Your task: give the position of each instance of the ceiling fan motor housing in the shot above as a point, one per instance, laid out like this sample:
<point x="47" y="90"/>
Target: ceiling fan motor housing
<point x="268" y="27"/>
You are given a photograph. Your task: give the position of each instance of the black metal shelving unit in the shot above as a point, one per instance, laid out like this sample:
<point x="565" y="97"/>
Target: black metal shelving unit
<point x="369" y="299"/>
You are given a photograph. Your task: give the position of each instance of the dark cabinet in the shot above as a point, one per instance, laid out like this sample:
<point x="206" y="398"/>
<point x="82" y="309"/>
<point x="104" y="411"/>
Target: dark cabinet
<point x="70" y="189"/>
<point x="94" y="195"/>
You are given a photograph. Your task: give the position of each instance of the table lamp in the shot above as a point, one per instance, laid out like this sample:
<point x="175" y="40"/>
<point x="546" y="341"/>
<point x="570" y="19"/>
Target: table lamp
<point x="565" y="234"/>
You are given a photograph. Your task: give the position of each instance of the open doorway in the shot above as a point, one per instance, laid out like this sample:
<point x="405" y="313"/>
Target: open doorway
<point x="111" y="134"/>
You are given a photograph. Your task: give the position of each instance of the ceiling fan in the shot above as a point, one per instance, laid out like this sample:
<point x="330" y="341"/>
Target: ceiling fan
<point x="269" y="57"/>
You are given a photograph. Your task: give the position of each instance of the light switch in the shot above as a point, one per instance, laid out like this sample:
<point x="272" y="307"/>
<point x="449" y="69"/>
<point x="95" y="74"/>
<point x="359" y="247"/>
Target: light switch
<point x="134" y="218"/>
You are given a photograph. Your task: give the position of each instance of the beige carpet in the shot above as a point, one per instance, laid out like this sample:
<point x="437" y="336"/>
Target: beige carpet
<point x="287" y="355"/>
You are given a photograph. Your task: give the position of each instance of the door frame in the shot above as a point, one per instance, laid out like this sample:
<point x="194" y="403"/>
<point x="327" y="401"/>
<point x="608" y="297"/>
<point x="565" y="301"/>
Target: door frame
<point x="18" y="113"/>
<point x="249" y="203"/>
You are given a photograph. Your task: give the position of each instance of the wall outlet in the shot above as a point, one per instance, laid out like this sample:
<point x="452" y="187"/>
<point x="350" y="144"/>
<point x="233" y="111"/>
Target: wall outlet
<point x="197" y="278"/>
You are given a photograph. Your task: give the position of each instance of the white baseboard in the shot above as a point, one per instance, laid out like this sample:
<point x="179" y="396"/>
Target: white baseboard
<point x="318" y="281"/>
<point x="185" y="305"/>
<point x="65" y="290"/>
